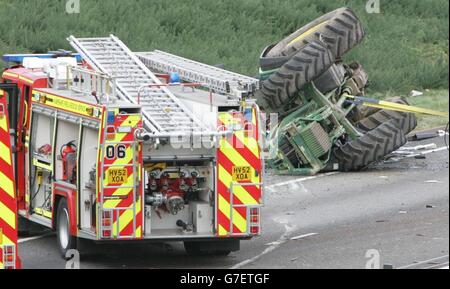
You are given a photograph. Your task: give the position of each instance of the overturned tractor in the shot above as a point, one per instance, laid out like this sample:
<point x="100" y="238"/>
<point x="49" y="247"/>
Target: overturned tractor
<point x="323" y="127"/>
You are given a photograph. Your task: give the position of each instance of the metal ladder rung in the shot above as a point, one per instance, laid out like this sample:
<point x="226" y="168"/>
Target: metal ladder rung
<point x="111" y="56"/>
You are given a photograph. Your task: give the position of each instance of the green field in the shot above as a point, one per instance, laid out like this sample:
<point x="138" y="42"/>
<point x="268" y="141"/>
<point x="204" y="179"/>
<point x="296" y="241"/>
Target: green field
<point x="406" y="45"/>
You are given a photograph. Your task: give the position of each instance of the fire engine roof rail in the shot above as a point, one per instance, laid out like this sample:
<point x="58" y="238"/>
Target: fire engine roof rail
<point x="163" y="112"/>
<point x="217" y="79"/>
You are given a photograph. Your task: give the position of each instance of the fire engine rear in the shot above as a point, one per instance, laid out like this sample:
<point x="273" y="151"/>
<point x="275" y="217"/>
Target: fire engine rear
<point x="109" y="147"/>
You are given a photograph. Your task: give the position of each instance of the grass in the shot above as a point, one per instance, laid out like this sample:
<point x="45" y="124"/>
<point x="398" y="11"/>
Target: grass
<point x="432" y="99"/>
<point x="406" y="45"/>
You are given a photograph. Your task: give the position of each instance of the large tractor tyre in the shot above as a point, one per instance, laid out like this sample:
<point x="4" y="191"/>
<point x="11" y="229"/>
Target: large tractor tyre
<point x="310" y="62"/>
<point x="371" y="147"/>
<point x="340" y="29"/>
<point x="66" y="241"/>
<point x="406" y="121"/>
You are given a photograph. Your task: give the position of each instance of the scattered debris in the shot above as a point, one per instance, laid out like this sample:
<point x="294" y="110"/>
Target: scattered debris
<point x="415" y="93"/>
<point x="303" y="236"/>
<point x="384" y="177"/>
<point x="294" y="259"/>
<point x="419" y="147"/>
<point x="433" y="182"/>
<point x="420" y="157"/>
<point x="382" y="221"/>
<point x="403" y="212"/>
<point x="423" y="136"/>
<point x="430" y="207"/>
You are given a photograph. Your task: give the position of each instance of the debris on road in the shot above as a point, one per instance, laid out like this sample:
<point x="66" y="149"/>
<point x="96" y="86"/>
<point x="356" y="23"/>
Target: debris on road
<point x="433" y="182"/>
<point x="424" y="135"/>
<point x="430" y="207"/>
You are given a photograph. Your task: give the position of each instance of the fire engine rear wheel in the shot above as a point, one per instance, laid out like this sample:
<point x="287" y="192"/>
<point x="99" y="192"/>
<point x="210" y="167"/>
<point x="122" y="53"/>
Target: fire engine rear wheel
<point x="371" y="147"/>
<point x="66" y="242"/>
<point x="308" y="64"/>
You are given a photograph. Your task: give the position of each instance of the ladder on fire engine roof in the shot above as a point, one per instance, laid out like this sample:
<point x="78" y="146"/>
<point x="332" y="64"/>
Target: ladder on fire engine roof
<point x="219" y="80"/>
<point x="163" y="112"/>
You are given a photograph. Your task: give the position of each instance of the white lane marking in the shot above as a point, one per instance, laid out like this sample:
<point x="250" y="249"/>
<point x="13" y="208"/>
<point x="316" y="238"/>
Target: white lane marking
<point x="273" y="246"/>
<point x="299" y="181"/>
<point x="303" y="236"/>
<point x="34" y="238"/>
<point x="429" y="262"/>
<point x="445" y="268"/>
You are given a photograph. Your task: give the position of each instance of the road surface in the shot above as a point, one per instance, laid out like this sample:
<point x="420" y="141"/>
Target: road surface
<point x="398" y="211"/>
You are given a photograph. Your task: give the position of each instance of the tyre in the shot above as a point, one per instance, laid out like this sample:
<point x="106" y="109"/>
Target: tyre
<point x="310" y="62"/>
<point x="371" y="147"/>
<point x="406" y="121"/>
<point x="65" y="241"/>
<point x="340" y="29"/>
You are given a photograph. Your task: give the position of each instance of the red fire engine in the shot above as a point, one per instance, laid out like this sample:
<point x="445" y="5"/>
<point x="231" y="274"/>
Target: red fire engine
<point x="104" y="149"/>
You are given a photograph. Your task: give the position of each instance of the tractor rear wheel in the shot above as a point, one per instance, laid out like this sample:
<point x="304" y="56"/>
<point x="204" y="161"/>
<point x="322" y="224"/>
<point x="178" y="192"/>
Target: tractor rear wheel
<point x="340" y="29"/>
<point x="371" y="147"/>
<point x="310" y="62"/>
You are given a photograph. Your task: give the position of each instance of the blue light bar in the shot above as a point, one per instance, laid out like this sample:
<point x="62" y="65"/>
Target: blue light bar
<point x="18" y="58"/>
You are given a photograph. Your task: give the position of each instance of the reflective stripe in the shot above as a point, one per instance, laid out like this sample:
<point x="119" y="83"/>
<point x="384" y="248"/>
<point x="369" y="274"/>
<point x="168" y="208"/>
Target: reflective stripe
<point x="239" y="151"/>
<point x="122" y="193"/>
<point x="8" y="205"/>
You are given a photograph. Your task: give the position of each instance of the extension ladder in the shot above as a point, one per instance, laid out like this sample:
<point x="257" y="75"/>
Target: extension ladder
<point x="219" y="80"/>
<point x="163" y="112"/>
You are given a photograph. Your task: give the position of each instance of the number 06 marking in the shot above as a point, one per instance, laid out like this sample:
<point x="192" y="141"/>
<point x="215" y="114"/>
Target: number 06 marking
<point x="113" y="151"/>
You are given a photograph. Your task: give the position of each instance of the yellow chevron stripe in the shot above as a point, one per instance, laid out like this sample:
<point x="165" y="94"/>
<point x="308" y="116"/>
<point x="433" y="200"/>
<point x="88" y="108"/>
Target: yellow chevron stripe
<point x="111" y="204"/>
<point x="235" y="157"/>
<point x="250" y="143"/>
<point x="126" y="218"/>
<point x="8" y="216"/>
<point x="238" y="220"/>
<point x="131" y="121"/>
<point x="139" y="232"/>
<point x="5" y="153"/>
<point x="238" y="191"/>
<point x="222" y="231"/>
<point x="7" y="184"/>
<point x="3" y="125"/>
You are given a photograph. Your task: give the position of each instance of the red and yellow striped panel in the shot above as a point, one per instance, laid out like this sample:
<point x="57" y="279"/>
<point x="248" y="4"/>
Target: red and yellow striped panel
<point x="122" y="174"/>
<point x="8" y="202"/>
<point x="238" y="162"/>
